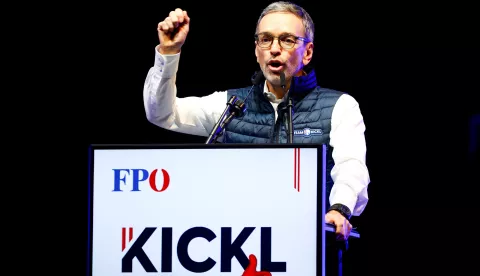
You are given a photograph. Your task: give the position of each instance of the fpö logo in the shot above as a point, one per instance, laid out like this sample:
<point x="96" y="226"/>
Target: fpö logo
<point x="136" y="180"/>
<point x="228" y="250"/>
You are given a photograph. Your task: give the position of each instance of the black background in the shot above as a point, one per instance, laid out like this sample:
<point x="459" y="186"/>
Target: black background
<point x="414" y="71"/>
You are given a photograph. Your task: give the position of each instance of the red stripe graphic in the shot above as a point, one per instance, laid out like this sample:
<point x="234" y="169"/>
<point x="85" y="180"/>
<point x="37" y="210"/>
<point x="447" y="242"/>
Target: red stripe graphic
<point x="296" y="169"/>
<point x="124" y="236"/>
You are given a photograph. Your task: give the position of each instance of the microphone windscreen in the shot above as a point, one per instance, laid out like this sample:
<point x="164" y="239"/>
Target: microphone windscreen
<point x="282" y="79"/>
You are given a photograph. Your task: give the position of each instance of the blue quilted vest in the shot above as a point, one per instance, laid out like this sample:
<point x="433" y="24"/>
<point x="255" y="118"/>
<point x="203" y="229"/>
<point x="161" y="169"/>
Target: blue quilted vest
<point x="313" y="106"/>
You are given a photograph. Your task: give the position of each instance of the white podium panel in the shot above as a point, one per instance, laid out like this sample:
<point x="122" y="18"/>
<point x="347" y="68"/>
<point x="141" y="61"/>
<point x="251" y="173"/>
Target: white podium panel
<point x="203" y="209"/>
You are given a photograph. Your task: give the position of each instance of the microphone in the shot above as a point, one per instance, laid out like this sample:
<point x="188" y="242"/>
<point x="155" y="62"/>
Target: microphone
<point x="289" y="123"/>
<point x="282" y="81"/>
<point x="235" y="108"/>
<point x="217" y="129"/>
<point x="240" y="107"/>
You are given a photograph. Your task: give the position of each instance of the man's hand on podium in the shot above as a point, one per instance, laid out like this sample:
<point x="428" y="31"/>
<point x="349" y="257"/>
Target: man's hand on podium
<point x="342" y="225"/>
<point x="251" y="269"/>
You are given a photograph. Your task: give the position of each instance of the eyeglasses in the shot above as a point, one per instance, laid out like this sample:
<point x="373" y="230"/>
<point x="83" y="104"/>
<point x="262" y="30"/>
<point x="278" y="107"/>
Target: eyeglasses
<point x="286" y="40"/>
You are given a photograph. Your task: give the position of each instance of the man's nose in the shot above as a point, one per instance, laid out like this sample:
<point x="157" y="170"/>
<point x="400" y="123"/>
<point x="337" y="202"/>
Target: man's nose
<point x="275" y="48"/>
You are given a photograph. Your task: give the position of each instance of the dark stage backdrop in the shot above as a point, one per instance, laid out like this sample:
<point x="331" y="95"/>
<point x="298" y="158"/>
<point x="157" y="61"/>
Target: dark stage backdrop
<point x="413" y="71"/>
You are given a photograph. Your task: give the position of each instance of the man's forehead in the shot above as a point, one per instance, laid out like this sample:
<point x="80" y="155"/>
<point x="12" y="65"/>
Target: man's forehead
<point x="281" y="22"/>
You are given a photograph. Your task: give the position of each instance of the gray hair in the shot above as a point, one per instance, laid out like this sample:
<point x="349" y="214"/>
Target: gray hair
<point x="284" y="6"/>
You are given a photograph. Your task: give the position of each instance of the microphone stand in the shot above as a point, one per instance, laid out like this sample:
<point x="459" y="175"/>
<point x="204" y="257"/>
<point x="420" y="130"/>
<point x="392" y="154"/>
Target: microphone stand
<point x="219" y="126"/>
<point x="289" y="123"/>
<point x="289" y="119"/>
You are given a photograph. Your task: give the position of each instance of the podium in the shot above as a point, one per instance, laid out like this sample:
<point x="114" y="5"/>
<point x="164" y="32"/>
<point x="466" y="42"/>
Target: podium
<point x="201" y="209"/>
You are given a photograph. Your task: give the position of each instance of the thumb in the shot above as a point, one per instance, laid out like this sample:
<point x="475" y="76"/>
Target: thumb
<point x="252" y="265"/>
<point x="251" y="269"/>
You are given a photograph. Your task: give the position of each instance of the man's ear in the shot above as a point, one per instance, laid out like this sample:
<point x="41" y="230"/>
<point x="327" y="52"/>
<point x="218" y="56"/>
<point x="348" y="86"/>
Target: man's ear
<point x="308" y="54"/>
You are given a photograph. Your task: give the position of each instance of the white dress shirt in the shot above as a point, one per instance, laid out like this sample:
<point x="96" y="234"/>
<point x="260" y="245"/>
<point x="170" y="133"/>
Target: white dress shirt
<point x="198" y="115"/>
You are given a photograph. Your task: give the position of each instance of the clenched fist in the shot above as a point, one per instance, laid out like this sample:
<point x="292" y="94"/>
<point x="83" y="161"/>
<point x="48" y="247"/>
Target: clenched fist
<point x="173" y="31"/>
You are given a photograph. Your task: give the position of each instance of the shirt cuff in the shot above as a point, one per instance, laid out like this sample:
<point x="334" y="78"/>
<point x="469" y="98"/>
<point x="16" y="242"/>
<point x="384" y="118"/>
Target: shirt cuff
<point x="344" y="195"/>
<point x="166" y="64"/>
